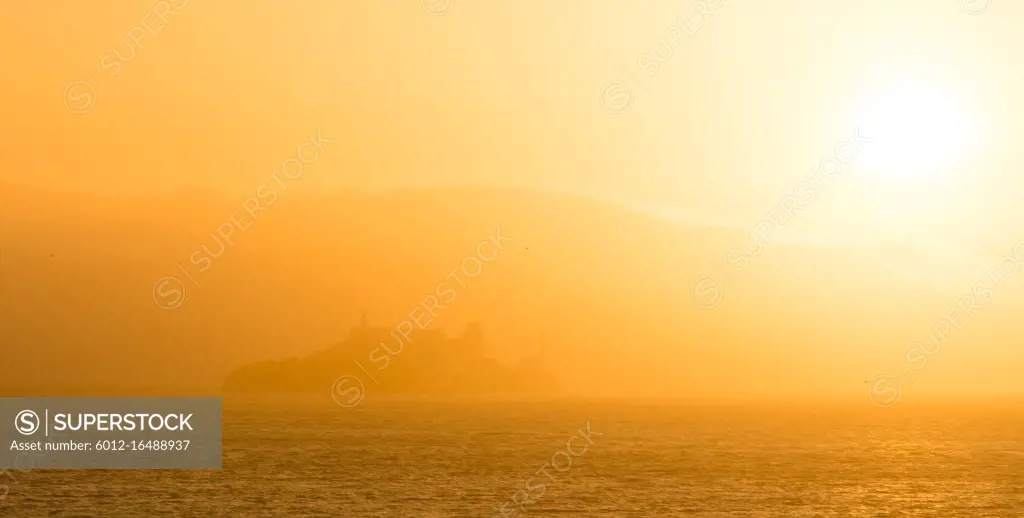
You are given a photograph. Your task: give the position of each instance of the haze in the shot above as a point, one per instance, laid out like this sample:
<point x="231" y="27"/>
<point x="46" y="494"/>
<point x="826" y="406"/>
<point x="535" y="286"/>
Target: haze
<point x="619" y="178"/>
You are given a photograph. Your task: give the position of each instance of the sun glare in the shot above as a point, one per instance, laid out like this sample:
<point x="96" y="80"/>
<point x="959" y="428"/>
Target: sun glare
<point x="916" y="132"/>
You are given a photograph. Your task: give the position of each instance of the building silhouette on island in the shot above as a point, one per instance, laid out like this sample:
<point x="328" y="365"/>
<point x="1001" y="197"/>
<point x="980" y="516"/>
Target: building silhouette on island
<point x="426" y="361"/>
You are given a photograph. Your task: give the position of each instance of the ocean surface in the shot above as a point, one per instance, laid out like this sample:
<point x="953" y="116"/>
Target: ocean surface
<point x="430" y="458"/>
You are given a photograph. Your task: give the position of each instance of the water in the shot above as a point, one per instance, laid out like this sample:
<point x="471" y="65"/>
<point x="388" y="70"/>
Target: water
<point x="465" y="459"/>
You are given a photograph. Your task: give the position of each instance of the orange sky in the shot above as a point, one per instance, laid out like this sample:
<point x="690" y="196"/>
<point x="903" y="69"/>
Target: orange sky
<point x="489" y="93"/>
<point x="500" y="94"/>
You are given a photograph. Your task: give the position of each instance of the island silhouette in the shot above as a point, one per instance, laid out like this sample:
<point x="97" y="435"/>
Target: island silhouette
<point x="426" y="362"/>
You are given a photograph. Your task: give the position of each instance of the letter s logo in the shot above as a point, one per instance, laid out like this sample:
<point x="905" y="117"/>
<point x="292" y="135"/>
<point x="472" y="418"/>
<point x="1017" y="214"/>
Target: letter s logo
<point x="26" y="422"/>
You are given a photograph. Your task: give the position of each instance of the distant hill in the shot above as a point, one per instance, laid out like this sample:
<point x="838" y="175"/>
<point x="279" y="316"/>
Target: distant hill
<point x="609" y="288"/>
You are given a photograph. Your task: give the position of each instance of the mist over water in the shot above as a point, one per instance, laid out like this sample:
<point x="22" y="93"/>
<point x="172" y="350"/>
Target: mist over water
<point x="454" y="258"/>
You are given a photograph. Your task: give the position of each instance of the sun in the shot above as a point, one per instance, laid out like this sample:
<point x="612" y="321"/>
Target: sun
<point x="917" y="131"/>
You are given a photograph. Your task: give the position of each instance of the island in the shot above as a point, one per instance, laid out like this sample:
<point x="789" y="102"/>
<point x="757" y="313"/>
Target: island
<point x="426" y="361"/>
